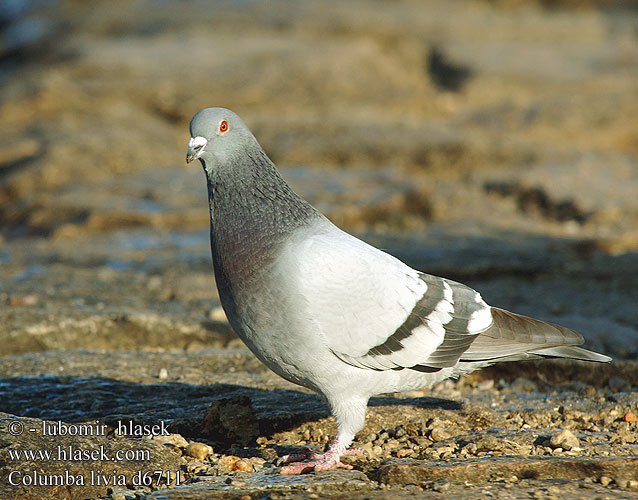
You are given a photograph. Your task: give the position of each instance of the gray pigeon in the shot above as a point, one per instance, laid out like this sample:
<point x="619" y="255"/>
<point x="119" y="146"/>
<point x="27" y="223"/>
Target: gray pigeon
<point x="327" y="311"/>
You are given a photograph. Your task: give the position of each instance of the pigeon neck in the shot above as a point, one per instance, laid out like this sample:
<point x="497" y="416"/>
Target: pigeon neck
<point x="252" y="211"/>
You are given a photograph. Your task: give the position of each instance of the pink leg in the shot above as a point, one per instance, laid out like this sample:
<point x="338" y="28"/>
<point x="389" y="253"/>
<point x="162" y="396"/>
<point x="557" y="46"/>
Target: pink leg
<point x="320" y="461"/>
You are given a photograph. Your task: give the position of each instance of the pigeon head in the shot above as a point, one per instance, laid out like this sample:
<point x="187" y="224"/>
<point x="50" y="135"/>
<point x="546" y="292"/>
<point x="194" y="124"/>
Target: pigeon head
<point x="217" y="134"/>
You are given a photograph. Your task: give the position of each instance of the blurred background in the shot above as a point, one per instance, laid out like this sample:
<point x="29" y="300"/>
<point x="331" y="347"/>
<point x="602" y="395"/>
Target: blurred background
<point x="493" y="142"/>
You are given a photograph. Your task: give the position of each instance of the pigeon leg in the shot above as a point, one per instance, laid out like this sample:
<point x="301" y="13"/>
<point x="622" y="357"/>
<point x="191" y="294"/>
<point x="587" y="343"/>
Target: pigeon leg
<point x="350" y="416"/>
<point x="329" y="460"/>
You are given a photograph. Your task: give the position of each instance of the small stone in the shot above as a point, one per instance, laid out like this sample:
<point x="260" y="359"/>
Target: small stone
<point x="485" y="385"/>
<point x="404" y="452"/>
<point x="217" y="314"/>
<point x="439" y="434"/>
<point x="564" y="439"/>
<point x="488" y="443"/>
<point x="243" y="465"/>
<point x="589" y="391"/>
<point x="392" y="444"/>
<point x="163" y="374"/>
<point x="383" y="437"/>
<point x="630" y="417"/>
<point x="399" y="432"/>
<point x="172" y="439"/>
<point x="198" y="450"/>
<point x="367" y="447"/>
<point x="29" y="300"/>
<point x="441" y="486"/>
<point x="605" y="480"/>
<point x="231" y="421"/>
<point x="621" y="482"/>
<point x="228" y="462"/>
<point x="632" y="484"/>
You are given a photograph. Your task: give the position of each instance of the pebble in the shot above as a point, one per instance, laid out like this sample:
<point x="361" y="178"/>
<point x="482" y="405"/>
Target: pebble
<point x="228" y="461"/>
<point x="605" y="480"/>
<point x="217" y="314"/>
<point x="172" y="439"/>
<point x="32" y="299"/>
<point x="486" y="385"/>
<point x="564" y="439"/>
<point x="630" y="417"/>
<point x="621" y="482"/>
<point x="439" y="434"/>
<point x="441" y="486"/>
<point x="243" y="465"/>
<point x="198" y="450"/>
<point x="163" y="374"/>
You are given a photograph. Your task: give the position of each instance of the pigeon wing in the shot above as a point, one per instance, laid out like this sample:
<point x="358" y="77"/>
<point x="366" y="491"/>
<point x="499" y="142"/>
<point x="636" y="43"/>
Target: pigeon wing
<point x="376" y="312"/>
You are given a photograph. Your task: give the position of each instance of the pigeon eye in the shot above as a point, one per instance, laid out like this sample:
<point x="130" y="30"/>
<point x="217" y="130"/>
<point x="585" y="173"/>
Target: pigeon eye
<point x="223" y="126"/>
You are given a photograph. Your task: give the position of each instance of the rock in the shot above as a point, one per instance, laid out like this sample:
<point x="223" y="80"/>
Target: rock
<point x="230" y="421"/>
<point x="176" y="440"/>
<point x="243" y="465"/>
<point x="217" y="314"/>
<point x="228" y="462"/>
<point x="488" y="443"/>
<point x="479" y="471"/>
<point x="198" y="451"/>
<point x="564" y="439"/>
<point x="439" y="434"/>
<point x="441" y="486"/>
<point x="605" y="480"/>
<point x="29" y="300"/>
<point x="630" y="417"/>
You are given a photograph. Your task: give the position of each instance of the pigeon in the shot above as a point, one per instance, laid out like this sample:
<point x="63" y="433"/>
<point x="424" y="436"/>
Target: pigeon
<point x="331" y="313"/>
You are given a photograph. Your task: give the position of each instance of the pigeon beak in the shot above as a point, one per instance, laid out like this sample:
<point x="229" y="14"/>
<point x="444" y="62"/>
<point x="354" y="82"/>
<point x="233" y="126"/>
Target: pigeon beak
<point x="195" y="148"/>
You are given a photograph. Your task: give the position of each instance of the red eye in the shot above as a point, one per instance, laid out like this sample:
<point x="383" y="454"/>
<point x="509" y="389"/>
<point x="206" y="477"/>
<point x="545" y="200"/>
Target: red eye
<point x="223" y="126"/>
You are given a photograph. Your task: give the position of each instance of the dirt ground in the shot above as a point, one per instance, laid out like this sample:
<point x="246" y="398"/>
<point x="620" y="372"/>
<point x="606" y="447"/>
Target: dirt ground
<point x="490" y="142"/>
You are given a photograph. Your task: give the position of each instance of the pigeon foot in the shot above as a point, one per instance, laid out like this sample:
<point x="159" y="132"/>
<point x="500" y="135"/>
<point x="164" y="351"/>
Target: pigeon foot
<point x="319" y="461"/>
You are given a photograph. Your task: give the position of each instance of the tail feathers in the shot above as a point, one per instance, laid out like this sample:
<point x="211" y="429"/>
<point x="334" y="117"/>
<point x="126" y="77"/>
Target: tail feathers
<point x="513" y="337"/>
<point x="573" y="353"/>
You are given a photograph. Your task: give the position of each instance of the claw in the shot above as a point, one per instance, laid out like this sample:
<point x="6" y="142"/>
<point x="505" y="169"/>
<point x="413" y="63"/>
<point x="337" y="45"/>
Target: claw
<point x="320" y="465"/>
<point x="320" y="461"/>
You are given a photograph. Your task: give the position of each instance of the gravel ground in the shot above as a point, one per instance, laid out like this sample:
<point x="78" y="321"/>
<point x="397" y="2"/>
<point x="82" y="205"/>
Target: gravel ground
<point x="526" y="429"/>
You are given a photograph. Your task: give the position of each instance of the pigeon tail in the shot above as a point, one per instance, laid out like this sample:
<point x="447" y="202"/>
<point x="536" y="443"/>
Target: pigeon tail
<point x="513" y="337"/>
